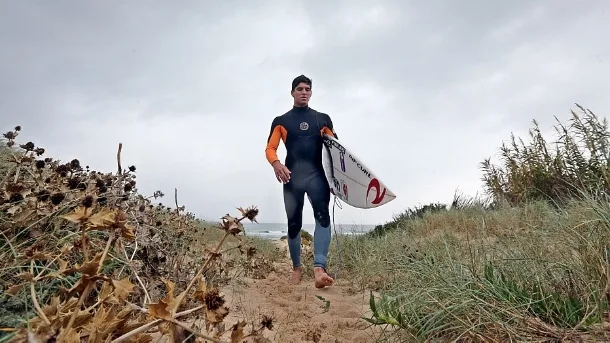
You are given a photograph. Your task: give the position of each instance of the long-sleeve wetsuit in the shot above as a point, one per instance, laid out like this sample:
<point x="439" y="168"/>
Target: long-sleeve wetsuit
<point x="301" y="130"/>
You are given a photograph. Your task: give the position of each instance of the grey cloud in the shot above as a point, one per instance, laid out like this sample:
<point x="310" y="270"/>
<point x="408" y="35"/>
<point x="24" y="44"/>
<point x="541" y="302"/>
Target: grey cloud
<point x="160" y="57"/>
<point x="439" y="55"/>
<point x="171" y="80"/>
<point x="430" y="44"/>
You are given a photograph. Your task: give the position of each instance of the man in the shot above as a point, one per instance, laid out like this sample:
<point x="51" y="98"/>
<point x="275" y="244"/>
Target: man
<point x="301" y="130"/>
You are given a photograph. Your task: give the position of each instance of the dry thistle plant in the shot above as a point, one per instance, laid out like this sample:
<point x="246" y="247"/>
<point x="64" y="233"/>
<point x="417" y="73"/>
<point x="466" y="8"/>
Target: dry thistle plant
<point x="82" y="255"/>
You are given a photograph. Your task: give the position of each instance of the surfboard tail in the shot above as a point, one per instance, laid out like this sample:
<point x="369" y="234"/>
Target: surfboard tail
<point x="377" y="194"/>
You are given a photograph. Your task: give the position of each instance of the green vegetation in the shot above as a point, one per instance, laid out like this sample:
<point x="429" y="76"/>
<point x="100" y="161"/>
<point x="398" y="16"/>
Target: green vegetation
<point x="528" y="263"/>
<point x="575" y="163"/>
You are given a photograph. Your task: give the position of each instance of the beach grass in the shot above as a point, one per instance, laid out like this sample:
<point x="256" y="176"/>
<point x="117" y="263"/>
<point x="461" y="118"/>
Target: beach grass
<point x="516" y="273"/>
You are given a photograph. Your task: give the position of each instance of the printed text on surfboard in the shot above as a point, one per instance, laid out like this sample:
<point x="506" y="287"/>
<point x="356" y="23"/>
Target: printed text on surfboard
<point x="366" y="172"/>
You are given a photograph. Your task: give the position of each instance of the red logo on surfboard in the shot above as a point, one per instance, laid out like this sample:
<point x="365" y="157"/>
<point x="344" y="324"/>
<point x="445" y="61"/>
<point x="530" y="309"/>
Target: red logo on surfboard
<point x="378" y="194"/>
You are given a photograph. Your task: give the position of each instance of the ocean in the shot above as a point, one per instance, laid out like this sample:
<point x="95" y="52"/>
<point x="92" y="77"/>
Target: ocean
<point x="277" y="230"/>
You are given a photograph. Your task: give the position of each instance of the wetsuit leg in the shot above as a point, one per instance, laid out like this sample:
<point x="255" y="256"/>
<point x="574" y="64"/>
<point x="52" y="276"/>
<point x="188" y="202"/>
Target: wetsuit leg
<point x="293" y="203"/>
<point x="318" y="193"/>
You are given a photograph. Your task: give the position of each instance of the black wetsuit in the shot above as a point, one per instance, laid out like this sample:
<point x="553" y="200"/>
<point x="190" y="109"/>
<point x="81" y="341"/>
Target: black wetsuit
<point x="301" y="131"/>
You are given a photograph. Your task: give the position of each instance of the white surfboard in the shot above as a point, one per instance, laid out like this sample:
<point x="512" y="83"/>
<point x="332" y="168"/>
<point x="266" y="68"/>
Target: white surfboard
<point x="349" y="179"/>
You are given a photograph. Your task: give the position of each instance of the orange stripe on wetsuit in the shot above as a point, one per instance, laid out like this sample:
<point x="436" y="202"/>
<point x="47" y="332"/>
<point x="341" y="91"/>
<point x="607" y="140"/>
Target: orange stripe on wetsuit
<point x="328" y="131"/>
<point x="273" y="142"/>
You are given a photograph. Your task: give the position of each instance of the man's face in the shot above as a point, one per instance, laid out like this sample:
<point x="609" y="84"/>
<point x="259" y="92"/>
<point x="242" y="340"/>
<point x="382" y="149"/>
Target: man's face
<point x="301" y="94"/>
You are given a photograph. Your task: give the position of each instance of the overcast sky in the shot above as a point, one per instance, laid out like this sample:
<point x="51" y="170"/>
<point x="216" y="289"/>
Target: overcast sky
<point x="421" y="91"/>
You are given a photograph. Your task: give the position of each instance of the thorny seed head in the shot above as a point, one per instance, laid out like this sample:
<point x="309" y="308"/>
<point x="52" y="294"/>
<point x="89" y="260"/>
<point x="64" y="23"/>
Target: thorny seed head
<point x="43" y="195"/>
<point x="73" y="183"/>
<point x="267" y="322"/>
<point x="29" y="146"/>
<point x="40" y="164"/>
<point x="75" y="164"/>
<point x="15" y="197"/>
<point x="250" y="213"/>
<point x="132" y="168"/>
<point x="128" y="187"/>
<point x="62" y="170"/>
<point x="14" y="187"/>
<point x="213" y="300"/>
<point x="18" y="128"/>
<point x="10" y="135"/>
<point x="39" y="151"/>
<point x="57" y="198"/>
<point x="88" y="201"/>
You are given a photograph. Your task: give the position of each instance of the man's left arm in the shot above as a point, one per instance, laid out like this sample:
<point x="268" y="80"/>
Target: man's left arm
<point x="328" y="128"/>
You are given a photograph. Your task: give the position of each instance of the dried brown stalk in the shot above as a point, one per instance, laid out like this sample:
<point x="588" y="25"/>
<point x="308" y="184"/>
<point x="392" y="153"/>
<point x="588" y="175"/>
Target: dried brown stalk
<point x="70" y="221"/>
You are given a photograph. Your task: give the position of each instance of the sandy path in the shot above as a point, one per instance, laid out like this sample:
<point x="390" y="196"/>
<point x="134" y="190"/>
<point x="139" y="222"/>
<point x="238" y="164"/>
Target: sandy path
<point x="299" y="315"/>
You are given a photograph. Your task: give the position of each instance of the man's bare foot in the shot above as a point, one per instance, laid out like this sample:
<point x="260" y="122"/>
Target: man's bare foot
<point x="296" y="275"/>
<point x="322" y="278"/>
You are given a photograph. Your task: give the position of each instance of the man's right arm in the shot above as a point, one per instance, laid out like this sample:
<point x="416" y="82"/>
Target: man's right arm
<point x="276" y="133"/>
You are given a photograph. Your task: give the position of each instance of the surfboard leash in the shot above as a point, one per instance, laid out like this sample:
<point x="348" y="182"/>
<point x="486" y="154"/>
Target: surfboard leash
<point x="337" y="203"/>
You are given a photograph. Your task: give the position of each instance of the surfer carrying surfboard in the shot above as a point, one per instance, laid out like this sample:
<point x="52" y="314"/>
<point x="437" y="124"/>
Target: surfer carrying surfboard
<point x="301" y="130"/>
